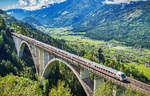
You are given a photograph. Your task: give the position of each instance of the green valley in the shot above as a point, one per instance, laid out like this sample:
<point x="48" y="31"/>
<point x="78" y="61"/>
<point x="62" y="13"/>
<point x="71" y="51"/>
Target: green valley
<point x="138" y="58"/>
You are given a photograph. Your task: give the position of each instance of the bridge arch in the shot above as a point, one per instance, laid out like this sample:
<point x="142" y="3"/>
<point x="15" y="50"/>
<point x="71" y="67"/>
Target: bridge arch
<point x="43" y="58"/>
<point x="21" y="50"/>
<point x="44" y="74"/>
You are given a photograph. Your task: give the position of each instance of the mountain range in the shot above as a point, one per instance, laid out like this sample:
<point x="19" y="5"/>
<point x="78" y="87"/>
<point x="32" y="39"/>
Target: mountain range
<point x="128" y="23"/>
<point x="58" y="15"/>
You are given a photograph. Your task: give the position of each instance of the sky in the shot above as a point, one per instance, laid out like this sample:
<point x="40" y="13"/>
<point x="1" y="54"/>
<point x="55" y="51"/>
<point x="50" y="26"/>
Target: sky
<point x="8" y="3"/>
<point x="38" y="4"/>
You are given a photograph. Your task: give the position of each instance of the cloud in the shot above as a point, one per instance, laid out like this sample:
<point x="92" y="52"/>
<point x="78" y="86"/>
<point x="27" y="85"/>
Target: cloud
<point x="32" y="2"/>
<point x="23" y="2"/>
<point x="37" y="4"/>
<point x="120" y="1"/>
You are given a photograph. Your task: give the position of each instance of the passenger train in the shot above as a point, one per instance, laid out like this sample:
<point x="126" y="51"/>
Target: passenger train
<point x="98" y="67"/>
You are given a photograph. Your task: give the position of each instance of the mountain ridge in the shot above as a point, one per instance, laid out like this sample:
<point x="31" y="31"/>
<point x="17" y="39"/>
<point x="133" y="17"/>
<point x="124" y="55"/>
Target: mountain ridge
<point x="54" y="12"/>
<point x="122" y="22"/>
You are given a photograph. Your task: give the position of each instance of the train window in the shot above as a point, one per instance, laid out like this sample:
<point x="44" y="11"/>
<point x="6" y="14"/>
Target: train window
<point x="123" y="76"/>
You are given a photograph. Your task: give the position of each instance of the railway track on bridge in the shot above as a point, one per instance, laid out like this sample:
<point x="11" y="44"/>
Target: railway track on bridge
<point x="130" y="83"/>
<point x="145" y="88"/>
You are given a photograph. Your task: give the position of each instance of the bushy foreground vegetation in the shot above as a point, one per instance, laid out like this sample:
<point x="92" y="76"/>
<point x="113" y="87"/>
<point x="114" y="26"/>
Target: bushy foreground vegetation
<point x="109" y="89"/>
<point x="11" y="85"/>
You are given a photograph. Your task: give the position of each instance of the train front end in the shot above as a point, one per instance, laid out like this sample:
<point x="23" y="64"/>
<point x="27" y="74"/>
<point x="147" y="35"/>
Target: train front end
<point x="121" y="76"/>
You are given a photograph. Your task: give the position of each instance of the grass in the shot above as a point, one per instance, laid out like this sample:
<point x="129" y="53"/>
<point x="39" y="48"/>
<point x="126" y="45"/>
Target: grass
<point x="69" y="38"/>
<point x="141" y="68"/>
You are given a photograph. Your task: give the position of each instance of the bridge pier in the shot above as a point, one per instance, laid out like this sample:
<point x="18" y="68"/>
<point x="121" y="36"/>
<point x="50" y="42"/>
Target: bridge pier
<point x="114" y="92"/>
<point x="85" y="77"/>
<point x="84" y="74"/>
<point x="97" y="82"/>
<point x="17" y="42"/>
<point x="41" y="61"/>
<point x="43" y="58"/>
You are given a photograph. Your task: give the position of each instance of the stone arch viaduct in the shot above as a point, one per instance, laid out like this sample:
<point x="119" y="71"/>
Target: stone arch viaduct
<point x="43" y="55"/>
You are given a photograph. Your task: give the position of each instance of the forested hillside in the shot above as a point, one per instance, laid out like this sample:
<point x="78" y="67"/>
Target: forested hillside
<point x="129" y="25"/>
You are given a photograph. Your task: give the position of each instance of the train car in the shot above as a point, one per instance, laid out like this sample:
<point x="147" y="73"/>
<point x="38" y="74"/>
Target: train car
<point x="101" y="68"/>
<point x="109" y="71"/>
